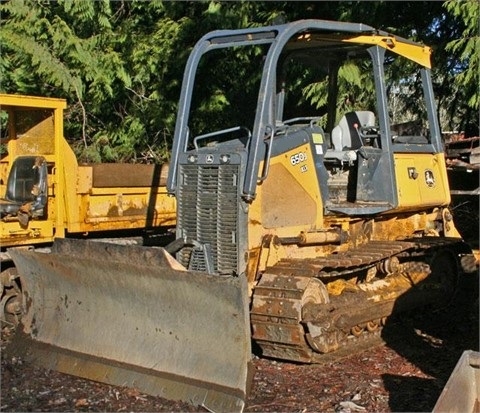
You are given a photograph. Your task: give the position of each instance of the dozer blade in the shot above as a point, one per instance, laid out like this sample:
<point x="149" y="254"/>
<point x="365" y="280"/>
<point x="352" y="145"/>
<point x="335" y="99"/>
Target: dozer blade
<point x="133" y="316"/>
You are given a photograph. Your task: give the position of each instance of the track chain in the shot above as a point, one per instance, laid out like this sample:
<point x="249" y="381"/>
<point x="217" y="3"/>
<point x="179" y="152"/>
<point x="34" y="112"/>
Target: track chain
<point x="337" y="264"/>
<point x="278" y="299"/>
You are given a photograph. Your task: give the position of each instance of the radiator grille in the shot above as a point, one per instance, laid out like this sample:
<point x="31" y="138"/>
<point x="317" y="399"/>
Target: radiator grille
<point x="208" y="213"/>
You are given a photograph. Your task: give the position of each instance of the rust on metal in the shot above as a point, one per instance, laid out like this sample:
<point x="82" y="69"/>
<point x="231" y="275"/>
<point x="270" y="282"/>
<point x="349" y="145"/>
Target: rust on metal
<point x="293" y="321"/>
<point x="110" y="175"/>
<point x="133" y="316"/>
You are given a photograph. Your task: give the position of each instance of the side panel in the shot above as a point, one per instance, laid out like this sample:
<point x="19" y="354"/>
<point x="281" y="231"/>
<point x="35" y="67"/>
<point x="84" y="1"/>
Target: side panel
<point x="421" y="180"/>
<point x="120" y="196"/>
<point x="289" y="200"/>
<point x="38" y="232"/>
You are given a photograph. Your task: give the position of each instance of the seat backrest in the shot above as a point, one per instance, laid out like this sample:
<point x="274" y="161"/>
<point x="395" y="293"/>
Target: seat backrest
<point x="345" y="134"/>
<point x="21" y="179"/>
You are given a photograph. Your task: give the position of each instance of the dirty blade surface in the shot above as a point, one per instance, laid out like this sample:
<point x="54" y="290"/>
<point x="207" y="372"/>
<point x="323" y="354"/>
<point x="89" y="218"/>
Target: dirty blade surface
<point x="133" y="316"/>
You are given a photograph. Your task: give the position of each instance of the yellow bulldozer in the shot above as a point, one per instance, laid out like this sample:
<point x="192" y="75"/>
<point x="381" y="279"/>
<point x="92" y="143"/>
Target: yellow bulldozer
<point x="46" y="194"/>
<point x="300" y="225"/>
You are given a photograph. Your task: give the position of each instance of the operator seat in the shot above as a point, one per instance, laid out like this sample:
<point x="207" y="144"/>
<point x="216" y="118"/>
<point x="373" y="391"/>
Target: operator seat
<point x="26" y="185"/>
<point x="346" y="134"/>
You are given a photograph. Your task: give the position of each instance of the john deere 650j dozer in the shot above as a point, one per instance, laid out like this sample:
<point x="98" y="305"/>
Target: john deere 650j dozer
<point x="302" y="228"/>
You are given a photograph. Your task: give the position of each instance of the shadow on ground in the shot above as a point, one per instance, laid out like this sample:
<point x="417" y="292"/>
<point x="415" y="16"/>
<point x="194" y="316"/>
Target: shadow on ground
<point x="433" y="340"/>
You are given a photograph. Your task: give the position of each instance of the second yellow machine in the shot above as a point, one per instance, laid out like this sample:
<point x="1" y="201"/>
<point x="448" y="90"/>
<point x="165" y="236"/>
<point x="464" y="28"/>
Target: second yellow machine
<point x="46" y="194"/>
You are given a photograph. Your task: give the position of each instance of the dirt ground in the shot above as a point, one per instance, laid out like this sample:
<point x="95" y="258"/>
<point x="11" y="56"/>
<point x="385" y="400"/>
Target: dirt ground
<point x="407" y="374"/>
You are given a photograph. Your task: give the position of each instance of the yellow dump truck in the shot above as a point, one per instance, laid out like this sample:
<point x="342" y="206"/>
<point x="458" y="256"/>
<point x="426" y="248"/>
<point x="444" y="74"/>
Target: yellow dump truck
<point x="46" y="194"/>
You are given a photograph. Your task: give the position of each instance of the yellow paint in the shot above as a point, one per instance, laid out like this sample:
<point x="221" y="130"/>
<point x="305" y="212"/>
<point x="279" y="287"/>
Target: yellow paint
<point x="336" y="287"/>
<point x="413" y="51"/>
<point x="421" y="181"/>
<point x="74" y="206"/>
<point x="288" y="201"/>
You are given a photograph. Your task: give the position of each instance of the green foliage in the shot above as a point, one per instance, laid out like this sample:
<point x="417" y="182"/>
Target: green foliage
<point x="48" y="57"/>
<point x="467" y="48"/>
<point x="356" y="89"/>
<point x="120" y="64"/>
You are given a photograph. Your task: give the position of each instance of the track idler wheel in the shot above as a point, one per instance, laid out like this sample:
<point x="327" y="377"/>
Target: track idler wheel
<point x="322" y="336"/>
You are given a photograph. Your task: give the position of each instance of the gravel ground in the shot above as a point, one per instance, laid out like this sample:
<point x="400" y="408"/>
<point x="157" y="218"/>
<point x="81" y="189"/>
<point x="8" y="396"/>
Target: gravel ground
<point x="407" y="374"/>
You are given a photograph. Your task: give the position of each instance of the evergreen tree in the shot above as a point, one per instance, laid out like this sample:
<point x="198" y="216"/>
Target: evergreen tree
<point x="120" y="64"/>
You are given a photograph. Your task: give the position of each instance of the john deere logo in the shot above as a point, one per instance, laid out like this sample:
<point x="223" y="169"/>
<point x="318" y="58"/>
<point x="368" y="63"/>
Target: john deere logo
<point x="429" y="178"/>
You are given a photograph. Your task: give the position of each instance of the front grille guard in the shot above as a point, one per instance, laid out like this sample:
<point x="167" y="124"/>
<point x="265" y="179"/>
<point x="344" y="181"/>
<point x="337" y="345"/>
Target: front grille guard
<point x="208" y="212"/>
